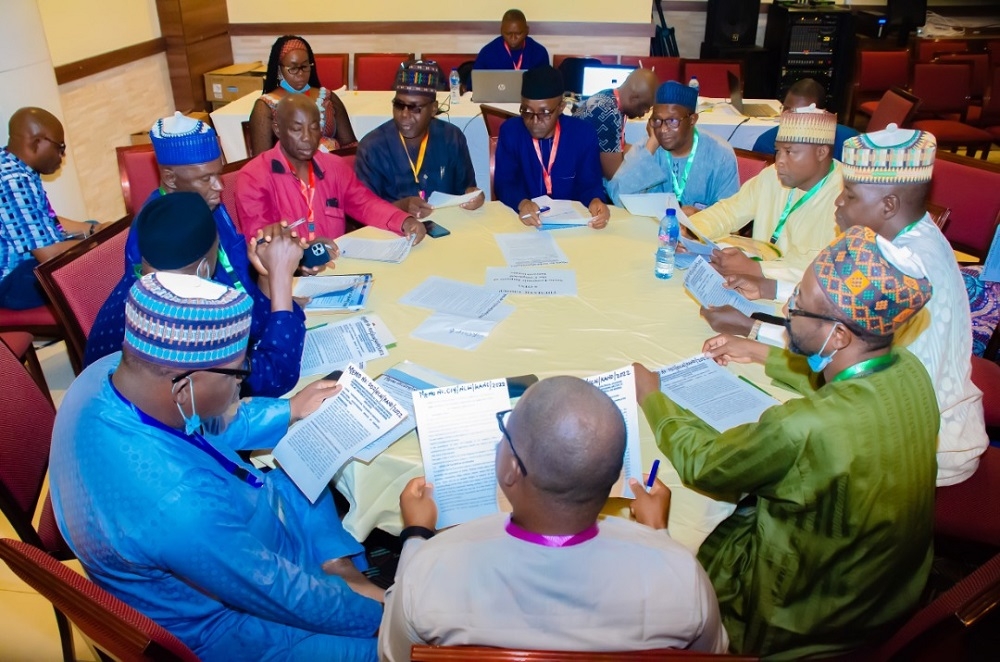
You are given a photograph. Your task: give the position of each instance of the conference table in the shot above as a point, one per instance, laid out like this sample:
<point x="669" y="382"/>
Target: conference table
<point x="622" y="313"/>
<point x="368" y="110"/>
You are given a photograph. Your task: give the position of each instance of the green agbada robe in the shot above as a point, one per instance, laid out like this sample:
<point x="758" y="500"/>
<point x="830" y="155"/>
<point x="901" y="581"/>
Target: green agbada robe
<point x="838" y="546"/>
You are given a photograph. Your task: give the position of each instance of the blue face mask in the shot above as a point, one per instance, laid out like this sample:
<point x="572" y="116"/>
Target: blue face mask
<point x="291" y="90"/>
<point x="817" y="362"/>
<point x="192" y="424"/>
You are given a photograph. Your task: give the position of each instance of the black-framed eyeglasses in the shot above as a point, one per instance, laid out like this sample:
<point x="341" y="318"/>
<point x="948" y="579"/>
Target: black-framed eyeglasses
<point x="670" y="122"/>
<point x="501" y="415"/>
<point x="60" y="146"/>
<point x="543" y="115"/>
<point x="239" y="373"/>
<point x="298" y="69"/>
<point x="412" y="108"/>
<point x="798" y="312"/>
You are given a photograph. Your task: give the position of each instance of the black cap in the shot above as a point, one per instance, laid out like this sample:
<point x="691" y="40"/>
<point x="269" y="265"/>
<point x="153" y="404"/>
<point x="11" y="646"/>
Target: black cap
<point x="544" y="82"/>
<point x="175" y="230"/>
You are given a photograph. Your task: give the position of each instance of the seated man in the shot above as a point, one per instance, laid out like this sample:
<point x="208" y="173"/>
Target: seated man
<point x="295" y="180"/>
<point x="609" y="110"/>
<point x="513" y="49"/>
<point x="550" y="576"/>
<point x="151" y="496"/>
<point x="800" y="95"/>
<point x="543" y="152"/>
<point x="30" y="231"/>
<point x="790" y="203"/>
<point x="833" y="546"/>
<point x="177" y="233"/>
<point x="415" y="154"/>
<point x="676" y="158"/>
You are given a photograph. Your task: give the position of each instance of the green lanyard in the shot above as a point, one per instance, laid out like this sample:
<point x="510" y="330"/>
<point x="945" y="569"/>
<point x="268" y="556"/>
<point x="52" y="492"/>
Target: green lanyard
<point x="680" y="186"/>
<point x="908" y="228"/>
<point x="866" y="368"/>
<point x="789" y="207"/>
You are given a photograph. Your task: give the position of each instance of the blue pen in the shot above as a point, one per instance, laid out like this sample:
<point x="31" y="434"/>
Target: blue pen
<point x="652" y="474"/>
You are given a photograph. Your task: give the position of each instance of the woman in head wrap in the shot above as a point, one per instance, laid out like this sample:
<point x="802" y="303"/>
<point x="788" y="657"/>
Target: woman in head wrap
<point x="291" y="69"/>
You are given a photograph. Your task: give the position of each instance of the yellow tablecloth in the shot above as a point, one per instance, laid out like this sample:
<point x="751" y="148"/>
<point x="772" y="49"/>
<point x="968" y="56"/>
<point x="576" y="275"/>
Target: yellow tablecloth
<point x="622" y="314"/>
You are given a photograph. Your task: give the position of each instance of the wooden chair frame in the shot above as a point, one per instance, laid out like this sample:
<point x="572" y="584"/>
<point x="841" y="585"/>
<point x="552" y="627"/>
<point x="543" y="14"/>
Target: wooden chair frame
<point x="131" y="205"/>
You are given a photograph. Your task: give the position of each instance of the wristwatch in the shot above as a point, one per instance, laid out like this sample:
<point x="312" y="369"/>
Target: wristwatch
<point x="418" y="531"/>
<point x="93" y="226"/>
<point x="754" y="330"/>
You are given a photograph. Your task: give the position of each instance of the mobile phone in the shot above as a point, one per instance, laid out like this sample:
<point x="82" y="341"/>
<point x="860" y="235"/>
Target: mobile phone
<point x="434" y="230"/>
<point x="315" y="255"/>
<point x="335" y="375"/>
<point x="516" y="386"/>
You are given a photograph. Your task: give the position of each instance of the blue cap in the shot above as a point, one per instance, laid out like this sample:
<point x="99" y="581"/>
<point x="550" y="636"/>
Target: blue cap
<point x="180" y="140"/>
<point x="675" y="93"/>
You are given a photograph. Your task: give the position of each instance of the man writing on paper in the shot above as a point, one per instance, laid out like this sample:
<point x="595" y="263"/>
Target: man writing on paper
<point x="887" y="176"/>
<point x="295" y="180"/>
<point x="609" y="110"/>
<point x="578" y="584"/>
<point x="415" y="154"/>
<point x="676" y="158"/>
<point x="513" y="49"/>
<point x="544" y="152"/>
<point x="833" y="545"/>
<point x="800" y="95"/>
<point x="151" y="496"/>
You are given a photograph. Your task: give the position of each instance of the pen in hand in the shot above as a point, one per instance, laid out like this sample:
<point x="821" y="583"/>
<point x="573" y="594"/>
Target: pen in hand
<point x="652" y="475"/>
<point x="541" y="210"/>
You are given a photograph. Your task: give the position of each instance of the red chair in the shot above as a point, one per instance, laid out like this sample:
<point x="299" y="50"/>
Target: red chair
<point x="40" y="321"/>
<point x="22" y="346"/>
<point x="971" y="189"/>
<point x="927" y="49"/>
<point x="980" y="63"/>
<point x="377" y="71"/>
<point x="494" y="117"/>
<point x="944" y="90"/>
<point x="897" y="106"/>
<point x="139" y="174"/>
<point x="877" y="72"/>
<point x="990" y="117"/>
<point x="79" y="280"/>
<point x="228" y="178"/>
<point x="449" y="61"/>
<point x="939" y="215"/>
<point x="116" y="630"/>
<point x="423" y="653"/>
<point x="665" y="68"/>
<point x="967" y="511"/>
<point x="332" y="70"/>
<point x="711" y="74"/>
<point x="605" y="59"/>
<point x="750" y="164"/>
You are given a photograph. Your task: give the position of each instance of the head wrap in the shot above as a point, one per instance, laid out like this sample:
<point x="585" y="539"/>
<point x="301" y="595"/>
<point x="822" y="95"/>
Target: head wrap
<point x="891" y="156"/>
<point x="807" y="125"/>
<point x="295" y="44"/>
<point x="675" y="93"/>
<point x="180" y="140"/>
<point x="865" y="286"/>
<point x="420" y="77"/>
<point x="182" y="321"/>
<point x="544" y="82"/>
<point x="175" y="230"/>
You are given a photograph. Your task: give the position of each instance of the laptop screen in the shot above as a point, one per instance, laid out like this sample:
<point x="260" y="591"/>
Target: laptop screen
<point x="596" y="79"/>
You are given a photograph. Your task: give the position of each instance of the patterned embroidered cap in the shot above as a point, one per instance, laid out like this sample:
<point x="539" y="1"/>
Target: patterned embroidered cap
<point x="890" y="156"/>
<point x="863" y="284"/>
<point x="180" y="140"/>
<point x="418" y="77"/>
<point x="676" y="93"/>
<point x="183" y="321"/>
<point x="807" y="125"/>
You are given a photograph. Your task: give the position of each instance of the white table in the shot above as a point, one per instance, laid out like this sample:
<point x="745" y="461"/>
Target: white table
<point x="622" y="314"/>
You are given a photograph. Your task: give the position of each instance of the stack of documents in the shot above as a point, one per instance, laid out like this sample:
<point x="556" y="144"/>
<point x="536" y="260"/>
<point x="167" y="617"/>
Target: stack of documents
<point x="464" y="314"/>
<point x="707" y="286"/>
<point x="344" y="293"/>
<point x="530" y="249"/>
<point x="332" y="346"/>
<point x="379" y="250"/>
<point x="440" y="200"/>
<point x="561" y="213"/>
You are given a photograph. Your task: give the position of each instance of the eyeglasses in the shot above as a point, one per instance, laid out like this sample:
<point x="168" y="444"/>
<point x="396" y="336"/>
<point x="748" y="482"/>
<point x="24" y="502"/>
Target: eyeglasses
<point x="501" y="415"/>
<point x="543" y="115"/>
<point x="798" y="312"/>
<point x="671" y="122"/>
<point x="240" y="374"/>
<point x="298" y="69"/>
<point x="60" y="146"/>
<point x="412" y="108"/>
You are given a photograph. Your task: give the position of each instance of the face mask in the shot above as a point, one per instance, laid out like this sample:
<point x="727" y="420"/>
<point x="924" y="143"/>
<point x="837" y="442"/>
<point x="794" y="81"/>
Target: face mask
<point x="204" y="270"/>
<point x="192" y="424"/>
<point x="217" y="425"/>
<point x="291" y="90"/>
<point x="817" y="362"/>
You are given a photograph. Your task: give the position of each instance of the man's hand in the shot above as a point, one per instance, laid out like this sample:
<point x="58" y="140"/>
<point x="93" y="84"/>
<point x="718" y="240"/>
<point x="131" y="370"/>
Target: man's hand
<point x="415" y="206"/>
<point x="527" y="211"/>
<point x="726" y="319"/>
<point x="753" y="287"/>
<point x="280" y="254"/>
<point x="412" y="226"/>
<point x="730" y="261"/>
<point x="725" y="348"/>
<point x="311" y="397"/>
<point x="689" y="210"/>
<point x="652" y="143"/>
<point x="476" y="202"/>
<point x="646" y="382"/>
<point x="650" y="508"/>
<point x="600" y="212"/>
<point x="416" y="504"/>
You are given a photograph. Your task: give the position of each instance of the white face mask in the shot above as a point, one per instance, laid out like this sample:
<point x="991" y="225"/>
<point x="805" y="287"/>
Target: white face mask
<point x="204" y="269"/>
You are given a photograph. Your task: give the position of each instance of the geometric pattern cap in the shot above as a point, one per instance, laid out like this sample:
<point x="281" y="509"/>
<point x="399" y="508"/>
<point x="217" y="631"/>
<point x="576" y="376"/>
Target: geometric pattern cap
<point x="678" y="94"/>
<point x="807" y="125"/>
<point x="868" y="289"/>
<point x="891" y="156"/>
<point x="419" y="77"/>
<point x="183" y="321"/>
<point x="180" y="141"/>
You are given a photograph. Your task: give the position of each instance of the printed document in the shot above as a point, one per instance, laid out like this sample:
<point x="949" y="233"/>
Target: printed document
<point x="379" y="250"/>
<point x="458" y="331"/>
<point x="458" y="433"/>
<point x="619" y="385"/>
<point x="707" y="286"/>
<point x="543" y="282"/>
<point x="348" y="292"/>
<point x="332" y="346"/>
<point x="561" y="213"/>
<point x="530" y="249"/>
<point x="713" y="394"/>
<point x="315" y="448"/>
<point x="455" y="297"/>
<point x="440" y="200"/>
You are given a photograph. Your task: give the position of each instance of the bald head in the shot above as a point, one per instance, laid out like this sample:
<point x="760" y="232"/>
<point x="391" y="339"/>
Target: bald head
<point x="571" y="437"/>
<point x="297" y="126"/>
<point x="638" y="92"/>
<point x="36" y="137"/>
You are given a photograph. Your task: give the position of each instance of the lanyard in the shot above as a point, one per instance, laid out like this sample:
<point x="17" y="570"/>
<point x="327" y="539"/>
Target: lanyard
<point x="195" y="440"/>
<point x="681" y="186"/>
<point x="551" y="541"/>
<point x="415" y="168"/>
<point x="618" y="100"/>
<point x="547" y="172"/>
<point x="308" y="192"/>
<point x="520" y="58"/>
<point x="866" y="368"/>
<point x="908" y="227"/>
<point x="789" y="207"/>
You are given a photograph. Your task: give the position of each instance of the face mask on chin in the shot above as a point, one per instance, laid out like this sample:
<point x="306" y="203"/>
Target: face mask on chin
<point x="817" y="362"/>
<point x="211" y="426"/>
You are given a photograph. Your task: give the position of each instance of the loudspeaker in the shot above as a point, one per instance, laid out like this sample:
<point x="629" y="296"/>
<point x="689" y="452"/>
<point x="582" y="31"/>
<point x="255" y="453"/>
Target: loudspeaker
<point x="732" y="23"/>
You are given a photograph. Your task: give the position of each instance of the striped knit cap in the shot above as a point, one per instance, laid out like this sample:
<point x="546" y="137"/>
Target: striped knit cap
<point x="183" y="321"/>
<point x="891" y="156"/>
<point x="865" y="286"/>
<point x="419" y="77"/>
<point x="807" y="125"/>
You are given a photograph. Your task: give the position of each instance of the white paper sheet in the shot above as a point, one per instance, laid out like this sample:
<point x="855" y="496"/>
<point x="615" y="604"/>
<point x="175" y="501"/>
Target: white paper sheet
<point x="561" y="213"/>
<point x="451" y="296"/>
<point x="455" y="331"/>
<point x="713" y="394"/>
<point x="707" y="286"/>
<point x="337" y="344"/>
<point x="620" y="387"/>
<point x="653" y="205"/>
<point x="440" y="200"/>
<point x="315" y="448"/>
<point x="543" y="282"/>
<point x="457" y="429"/>
<point x="530" y="249"/>
<point x="347" y="292"/>
<point x="379" y="250"/>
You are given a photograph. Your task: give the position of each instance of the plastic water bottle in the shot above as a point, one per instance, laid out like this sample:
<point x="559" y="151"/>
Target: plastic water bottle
<point x="670" y="231"/>
<point x="694" y="83"/>
<point x="455" y="83"/>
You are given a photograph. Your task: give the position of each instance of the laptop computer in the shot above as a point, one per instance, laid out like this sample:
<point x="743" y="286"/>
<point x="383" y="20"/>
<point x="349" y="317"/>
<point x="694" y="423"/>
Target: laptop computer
<point x="747" y="109"/>
<point x="496" y="85"/>
<point x="596" y="79"/>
